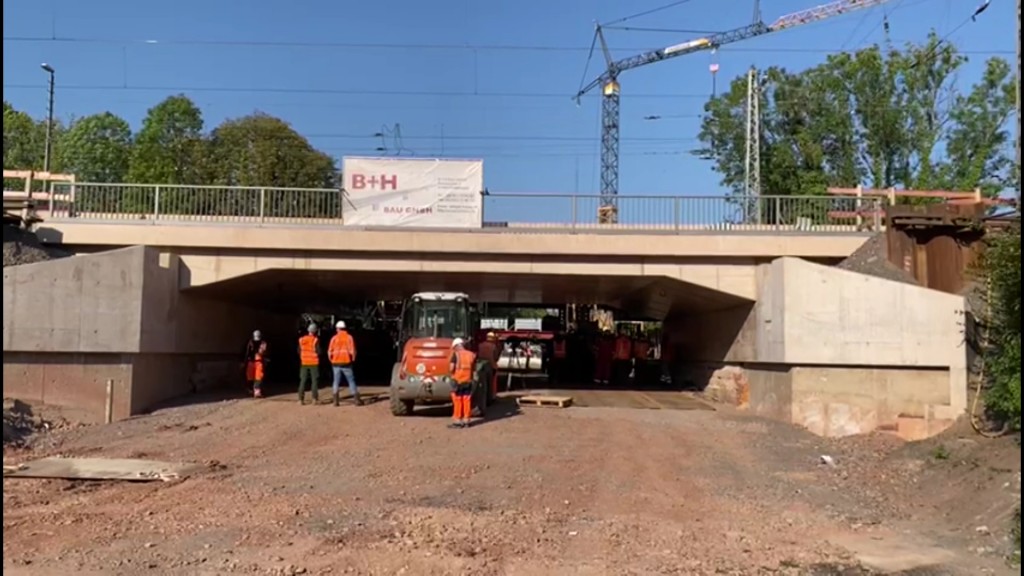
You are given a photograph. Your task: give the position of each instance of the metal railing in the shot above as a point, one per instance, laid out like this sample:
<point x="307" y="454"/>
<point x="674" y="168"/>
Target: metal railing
<point x="319" y="207"/>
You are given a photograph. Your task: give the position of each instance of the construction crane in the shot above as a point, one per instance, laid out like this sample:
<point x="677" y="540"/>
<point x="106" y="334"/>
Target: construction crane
<point x="609" y="80"/>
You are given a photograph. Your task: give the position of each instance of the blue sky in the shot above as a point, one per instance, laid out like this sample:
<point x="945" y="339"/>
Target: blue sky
<point x="541" y="142"/>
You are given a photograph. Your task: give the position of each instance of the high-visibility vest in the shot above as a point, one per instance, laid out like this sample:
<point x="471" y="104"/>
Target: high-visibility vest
<point x="464" y="360"/>
<point x="559" y="349"/>
<point x="307" y="350"/>
<point x="623" y="348"/>
<point x="261" y="352"/>
<point x="640" y="349"/>
<point x="342" y="349"/>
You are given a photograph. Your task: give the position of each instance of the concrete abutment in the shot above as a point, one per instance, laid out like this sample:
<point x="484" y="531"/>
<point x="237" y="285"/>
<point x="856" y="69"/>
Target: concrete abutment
<point x="837" y="352"/>
<point x="71" y="325"/>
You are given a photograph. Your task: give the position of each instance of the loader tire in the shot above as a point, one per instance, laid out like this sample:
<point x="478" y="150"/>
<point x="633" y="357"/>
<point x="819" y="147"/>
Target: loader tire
<point x="401" y="407"/>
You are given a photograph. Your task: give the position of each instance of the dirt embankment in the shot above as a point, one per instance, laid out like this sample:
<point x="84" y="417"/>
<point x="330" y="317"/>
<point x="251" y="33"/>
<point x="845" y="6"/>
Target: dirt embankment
<point x="23" y="247"/>
<point x="872" y="258"/>
<point x="321" y="490"/>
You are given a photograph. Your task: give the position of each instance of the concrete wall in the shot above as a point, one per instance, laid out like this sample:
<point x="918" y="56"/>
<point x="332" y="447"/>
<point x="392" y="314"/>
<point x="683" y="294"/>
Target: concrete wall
<point x="72" y="324"/>
<point x="835" y="351"/>
<point x="86" y="304"/>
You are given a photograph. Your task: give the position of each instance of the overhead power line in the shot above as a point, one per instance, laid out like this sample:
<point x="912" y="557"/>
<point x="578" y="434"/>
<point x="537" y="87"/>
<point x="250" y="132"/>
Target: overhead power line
<point x="647" y="12"/>
<point x="330" y="91"/>
<point x="413" y="46"/>
<point x="498" y="137"/>
<point x="171" y="89"/>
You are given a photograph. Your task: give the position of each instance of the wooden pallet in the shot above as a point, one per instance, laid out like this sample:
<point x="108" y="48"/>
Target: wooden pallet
<point x="555" y="401"/>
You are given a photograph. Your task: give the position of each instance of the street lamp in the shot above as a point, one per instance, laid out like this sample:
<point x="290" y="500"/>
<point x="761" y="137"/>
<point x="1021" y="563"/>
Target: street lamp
<point x="49" y="116"/>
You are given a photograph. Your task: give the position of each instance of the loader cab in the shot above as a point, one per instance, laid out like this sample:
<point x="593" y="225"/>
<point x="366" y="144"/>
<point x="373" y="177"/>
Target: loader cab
<point x="443" y="315"/>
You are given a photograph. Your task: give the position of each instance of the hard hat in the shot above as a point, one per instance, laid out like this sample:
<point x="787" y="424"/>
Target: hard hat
<point x="311" y="329"/>
<point x="257" y="335"/>
<point x="340" y="325"/>
<point x="458" y="342"/>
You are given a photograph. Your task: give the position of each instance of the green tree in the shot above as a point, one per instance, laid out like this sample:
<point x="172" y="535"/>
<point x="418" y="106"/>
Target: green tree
<point x="1000" y="268"/>
<point x="260" y="150"/>
<point x="874" y="118"/>
<point x="23" y="144"/>
<point x="97" y="148"/>
<point x="168" y="148"/>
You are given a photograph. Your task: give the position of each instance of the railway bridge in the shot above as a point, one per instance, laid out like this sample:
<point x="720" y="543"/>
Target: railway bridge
<point x="169" y="280"/>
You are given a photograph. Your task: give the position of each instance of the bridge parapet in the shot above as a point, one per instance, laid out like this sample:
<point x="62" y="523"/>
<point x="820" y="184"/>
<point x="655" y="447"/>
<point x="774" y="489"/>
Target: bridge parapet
<point x="150" y="203"/>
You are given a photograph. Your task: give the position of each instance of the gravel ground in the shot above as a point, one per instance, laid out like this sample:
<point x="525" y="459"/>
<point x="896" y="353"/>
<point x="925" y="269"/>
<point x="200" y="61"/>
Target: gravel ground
<point x="872" y="259"/>
<point x="292" y="489"/>
<point x="22" y="247"/>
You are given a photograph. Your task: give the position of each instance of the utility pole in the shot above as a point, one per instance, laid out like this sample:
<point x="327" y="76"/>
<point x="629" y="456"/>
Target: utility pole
<point x="49" y="117"/>
<point x="752" y="168"/>
<point x="1018" y="104"/>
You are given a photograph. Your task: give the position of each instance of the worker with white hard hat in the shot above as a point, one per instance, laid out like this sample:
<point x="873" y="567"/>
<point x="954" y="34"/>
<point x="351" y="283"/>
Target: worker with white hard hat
<point x="255" y="361"/>
<point x="342" y="353"/>
<point x="309" y="364"/>
<point x="490" y="351"/>
<point x="461" y="368"/>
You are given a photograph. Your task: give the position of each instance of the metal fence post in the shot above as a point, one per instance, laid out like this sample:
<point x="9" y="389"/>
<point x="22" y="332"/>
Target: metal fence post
<point x="677" y="212"/>
<point x="263" y="203"/>
<point x="777" y="207"/>
<point x="156" y="203"/>
<point x="574" y="209"/>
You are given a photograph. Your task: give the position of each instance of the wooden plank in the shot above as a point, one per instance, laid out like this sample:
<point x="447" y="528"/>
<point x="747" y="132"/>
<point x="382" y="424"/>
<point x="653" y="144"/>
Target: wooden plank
<point x="129" y="470"/>
<point x="554" y="401"/>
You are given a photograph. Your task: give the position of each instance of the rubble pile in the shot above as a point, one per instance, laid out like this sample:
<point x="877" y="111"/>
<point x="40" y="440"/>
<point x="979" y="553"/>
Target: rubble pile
<point x="23" y="247"/>
<point x="20" y="424"/>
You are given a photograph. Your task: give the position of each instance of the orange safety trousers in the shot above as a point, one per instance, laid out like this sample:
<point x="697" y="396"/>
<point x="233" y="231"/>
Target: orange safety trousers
<point x="462" y="403"/>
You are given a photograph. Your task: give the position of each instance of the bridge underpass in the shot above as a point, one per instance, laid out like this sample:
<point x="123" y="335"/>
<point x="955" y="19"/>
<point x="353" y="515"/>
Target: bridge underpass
<point x="292" y="293"/>
<point x="832" y="350"/>
<point x="296" y="291"/>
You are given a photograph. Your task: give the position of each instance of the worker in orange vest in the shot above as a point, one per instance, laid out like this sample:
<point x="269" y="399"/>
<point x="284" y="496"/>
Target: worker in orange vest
<point x="623" y="355"/>
<point x="462" y="362"/>
<point x="309" y="364"/>
<point x="489" y="351"/>
<point x="256" y="358"/>
<point x="341" y="352"/>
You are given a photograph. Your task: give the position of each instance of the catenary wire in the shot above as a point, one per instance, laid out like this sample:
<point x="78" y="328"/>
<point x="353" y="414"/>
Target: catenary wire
<point x="401" y="46"/>
<point x="339" y="91"/>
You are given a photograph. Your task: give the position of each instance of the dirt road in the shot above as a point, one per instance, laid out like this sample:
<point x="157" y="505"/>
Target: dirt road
<point x="295" y="489"/>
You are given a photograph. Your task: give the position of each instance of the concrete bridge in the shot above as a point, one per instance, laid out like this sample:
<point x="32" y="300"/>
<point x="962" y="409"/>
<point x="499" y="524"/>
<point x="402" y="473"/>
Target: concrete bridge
<point x="753" y="306"/>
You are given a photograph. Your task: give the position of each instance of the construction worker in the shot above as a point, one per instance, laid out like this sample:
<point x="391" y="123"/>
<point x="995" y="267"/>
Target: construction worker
<point x="462" y="362"/>
<point x="309" y="364"/>
<point x="489" y="351"/>
<point x="342" y="353"/>
<point x="623" y="355"/>
<point x="255" y="360"/>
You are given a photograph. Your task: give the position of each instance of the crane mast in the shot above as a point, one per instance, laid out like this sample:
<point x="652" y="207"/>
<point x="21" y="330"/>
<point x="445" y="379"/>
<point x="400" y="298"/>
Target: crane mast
<point x="610" y="88"/>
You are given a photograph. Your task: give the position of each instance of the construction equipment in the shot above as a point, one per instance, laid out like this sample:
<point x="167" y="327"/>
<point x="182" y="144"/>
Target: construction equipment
<point x="610" y="89"/>
<point x="430" y="322"/>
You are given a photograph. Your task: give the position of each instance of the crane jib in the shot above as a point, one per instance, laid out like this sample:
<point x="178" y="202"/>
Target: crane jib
<point x="610" y="111"/>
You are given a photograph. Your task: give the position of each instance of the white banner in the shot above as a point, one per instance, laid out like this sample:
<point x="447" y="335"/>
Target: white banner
<point x="427" y="192"/>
